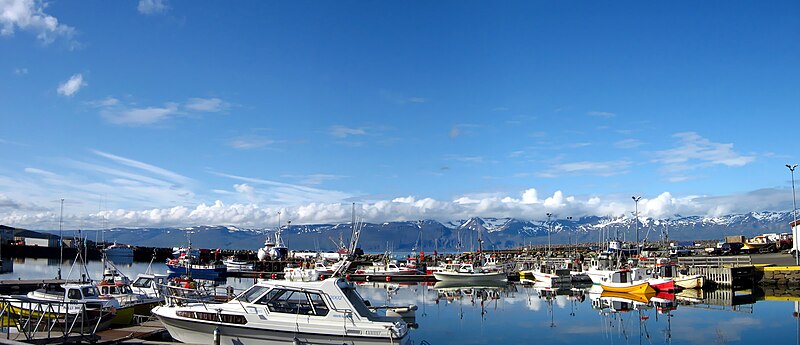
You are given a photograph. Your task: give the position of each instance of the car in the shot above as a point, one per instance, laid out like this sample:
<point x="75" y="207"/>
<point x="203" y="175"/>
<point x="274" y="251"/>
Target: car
<point x="731" y="248"/>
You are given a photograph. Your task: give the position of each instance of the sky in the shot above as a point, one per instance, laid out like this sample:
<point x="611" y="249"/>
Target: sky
<point x="183" y="113"/>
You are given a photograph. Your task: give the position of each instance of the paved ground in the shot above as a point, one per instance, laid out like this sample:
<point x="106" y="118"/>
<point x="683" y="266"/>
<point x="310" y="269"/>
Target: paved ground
<point x="779" y="259"/>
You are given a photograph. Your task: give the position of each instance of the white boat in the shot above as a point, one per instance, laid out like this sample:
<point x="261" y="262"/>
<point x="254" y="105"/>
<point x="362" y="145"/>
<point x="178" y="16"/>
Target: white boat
<point x="667" y="269"/>
<point x="387" y="269"/>
<point x="548" y="274"/>
<point x="467" y="273"/>
<point x="63" y="305"/>
<point x="150" y="284"/>
<point x="115" y="284"/>
<point x="279" y="312"/>
<point x="598" y="275"/>
<point x="119" y="251"/>
<point x="232" y="264"/>
<point x="273" y="249"/>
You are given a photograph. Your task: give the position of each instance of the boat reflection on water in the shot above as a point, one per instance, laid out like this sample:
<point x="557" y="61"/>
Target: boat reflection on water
<point x="485" y="290"/>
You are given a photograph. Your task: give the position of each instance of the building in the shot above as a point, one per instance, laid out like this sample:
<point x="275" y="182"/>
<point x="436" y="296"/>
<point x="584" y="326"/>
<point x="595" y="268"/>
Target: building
<point x="35" y="239"/>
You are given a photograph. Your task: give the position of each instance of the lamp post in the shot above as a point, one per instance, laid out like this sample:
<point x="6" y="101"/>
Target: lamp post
<point x="636" y="202"/>
<point x="569" y="235"/>
<point x="549" y="244"/>
<point x="794" y="213"/>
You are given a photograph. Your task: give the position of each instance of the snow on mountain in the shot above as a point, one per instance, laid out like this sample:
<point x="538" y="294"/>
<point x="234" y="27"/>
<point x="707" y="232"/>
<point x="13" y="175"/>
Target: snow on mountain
<point x="496" y="232"/>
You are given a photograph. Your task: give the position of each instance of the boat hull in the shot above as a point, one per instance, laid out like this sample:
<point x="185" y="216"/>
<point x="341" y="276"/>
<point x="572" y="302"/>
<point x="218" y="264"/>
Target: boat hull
<point x="662" y="284"/>
<point x="690" y="282"/>
<point x="640" y="288"/>
<point x="198" y="272"/>
<point x="202" y="333"/>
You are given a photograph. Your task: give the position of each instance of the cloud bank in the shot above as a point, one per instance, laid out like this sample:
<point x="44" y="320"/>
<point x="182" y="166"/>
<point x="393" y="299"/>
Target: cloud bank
<point x="527" y="205"/>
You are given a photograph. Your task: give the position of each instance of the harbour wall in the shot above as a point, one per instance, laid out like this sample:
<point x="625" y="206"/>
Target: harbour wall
<point x="767" y="275"/>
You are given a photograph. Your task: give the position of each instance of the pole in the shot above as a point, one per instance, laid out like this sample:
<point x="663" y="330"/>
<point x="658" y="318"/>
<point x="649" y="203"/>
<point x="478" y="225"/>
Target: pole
<point x="636" y="201"/>
<point x="61" y="238"/>
<point x="794" y="213"/>
<point x="549" y="244"/>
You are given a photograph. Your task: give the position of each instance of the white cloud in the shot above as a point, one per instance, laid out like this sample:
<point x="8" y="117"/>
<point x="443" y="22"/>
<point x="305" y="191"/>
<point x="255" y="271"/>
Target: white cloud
<point x="244" y="188"/>
<point x="21" y="71"/>
<point x="253" y="201"/>
<point x="605" y="114"/>
<point x="208" y="105"/>
<point x="592" y="168"/>
<point x="28" y="15"/>
<point x="694" y="151"/>
<point x="344" y="132"/>
<point x="140" y="116"/>
<point x="71" y="86"/>
<point x="151" y="7"/>
<point x="247" y="142"/>
<point x="128" y="114"/>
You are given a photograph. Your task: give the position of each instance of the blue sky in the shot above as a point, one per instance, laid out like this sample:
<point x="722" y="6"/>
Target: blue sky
<point x="185" y="113"/>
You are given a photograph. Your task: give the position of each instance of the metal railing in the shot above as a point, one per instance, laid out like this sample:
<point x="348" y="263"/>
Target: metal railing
<point x="52" y="321"/>
<point x="715" y="261"/>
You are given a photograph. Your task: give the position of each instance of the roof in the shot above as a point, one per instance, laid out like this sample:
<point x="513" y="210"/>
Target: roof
<point x="32" y="234"/>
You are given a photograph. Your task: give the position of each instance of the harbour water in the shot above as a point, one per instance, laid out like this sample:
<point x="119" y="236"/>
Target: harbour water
<point x="521" y="313"/>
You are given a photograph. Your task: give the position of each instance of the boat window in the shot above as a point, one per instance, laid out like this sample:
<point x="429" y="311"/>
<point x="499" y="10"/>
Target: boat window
<point x="74" y="294"/>
<point x="269" y="296"/>
<point x="252" y="294"/>
<point x="289" y="301"/>
<point x="320" y="309"/>
<point x="143" y="282"/>
<point x="89" y="292"/>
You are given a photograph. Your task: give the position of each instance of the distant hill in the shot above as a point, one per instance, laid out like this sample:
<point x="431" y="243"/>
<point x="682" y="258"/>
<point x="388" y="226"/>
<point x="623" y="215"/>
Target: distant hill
<point x="429" y="234"/>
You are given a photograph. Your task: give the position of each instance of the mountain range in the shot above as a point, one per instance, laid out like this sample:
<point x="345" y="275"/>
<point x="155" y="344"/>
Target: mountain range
<point x="430" y="235"/>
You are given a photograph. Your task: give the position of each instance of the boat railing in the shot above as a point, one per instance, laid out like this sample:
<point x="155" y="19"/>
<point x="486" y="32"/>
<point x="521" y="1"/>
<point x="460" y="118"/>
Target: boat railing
<point x="39" y="321"/>
<point x="180" y="295"/>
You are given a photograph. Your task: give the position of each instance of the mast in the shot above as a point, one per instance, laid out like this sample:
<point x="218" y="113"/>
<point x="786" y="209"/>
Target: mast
<point x="61" y="238"/>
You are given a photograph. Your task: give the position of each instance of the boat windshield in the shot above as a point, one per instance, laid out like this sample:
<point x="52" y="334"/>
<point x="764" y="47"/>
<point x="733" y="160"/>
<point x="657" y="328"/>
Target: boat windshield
<point x="142" y="282"/>
<point x="89" y="292"/>
<point x="253" y="294"/>
<point x="357" y="302"/>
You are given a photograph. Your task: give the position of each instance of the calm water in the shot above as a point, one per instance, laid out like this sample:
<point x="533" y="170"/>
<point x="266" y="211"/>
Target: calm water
<point x="514" y="313"/>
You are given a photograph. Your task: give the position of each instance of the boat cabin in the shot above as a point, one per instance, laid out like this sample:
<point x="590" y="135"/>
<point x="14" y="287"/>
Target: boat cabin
<point x="622" y="276"/>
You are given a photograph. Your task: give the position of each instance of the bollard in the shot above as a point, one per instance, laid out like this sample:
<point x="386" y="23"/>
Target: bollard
<point x="216" y="336"/>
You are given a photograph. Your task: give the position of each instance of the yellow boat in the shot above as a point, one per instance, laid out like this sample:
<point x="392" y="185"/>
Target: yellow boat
<point x="641" y="298"/>
<point x="640" y="288"/>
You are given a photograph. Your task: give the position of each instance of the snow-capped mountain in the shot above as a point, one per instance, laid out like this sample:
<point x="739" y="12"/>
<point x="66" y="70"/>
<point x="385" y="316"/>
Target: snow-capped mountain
<point x="428" y="235"/>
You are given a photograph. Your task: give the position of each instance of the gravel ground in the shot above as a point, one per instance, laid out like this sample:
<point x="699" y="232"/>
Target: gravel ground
<point x="779" y="259"/>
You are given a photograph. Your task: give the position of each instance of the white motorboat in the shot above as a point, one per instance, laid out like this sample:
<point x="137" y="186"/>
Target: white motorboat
<point x="150" y="284"/>
<point x="115" y="284"/>
<point x="279" y="311"/>
<point x="119" y="251"/>
<point x="548" y="274"/>
<point x="233" y="264"/>
<point x="387" y="269"/>
<point x="63" y="305"/>
<point x="466" y="272"/>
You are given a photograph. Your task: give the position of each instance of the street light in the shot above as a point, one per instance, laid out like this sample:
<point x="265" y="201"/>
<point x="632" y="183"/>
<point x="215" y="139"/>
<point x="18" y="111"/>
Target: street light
<point x="636" y="201"/>
<point x="569" y="234"/>
<point x="549" y="244"/>
<point x="794" y="213"/>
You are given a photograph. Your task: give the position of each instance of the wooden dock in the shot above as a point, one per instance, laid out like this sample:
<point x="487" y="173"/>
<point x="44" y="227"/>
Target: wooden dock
<point x="23" y="286"/>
